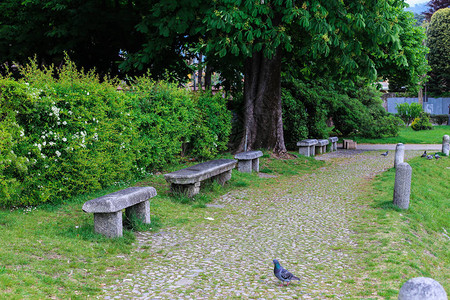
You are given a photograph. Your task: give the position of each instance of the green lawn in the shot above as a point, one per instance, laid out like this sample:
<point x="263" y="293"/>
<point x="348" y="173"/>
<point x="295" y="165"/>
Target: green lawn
<point x="403" y="244"/>
<point x="409" y="136"/>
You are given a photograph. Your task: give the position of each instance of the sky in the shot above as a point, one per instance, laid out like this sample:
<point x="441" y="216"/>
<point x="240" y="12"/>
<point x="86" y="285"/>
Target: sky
<point x="414" y="2"/>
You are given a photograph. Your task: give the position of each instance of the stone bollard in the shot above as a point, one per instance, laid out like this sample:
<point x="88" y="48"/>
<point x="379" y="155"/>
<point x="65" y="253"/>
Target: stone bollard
<point x="445" y="145"/>
<point x="402" y="185"/>
<point x="399" y="154"/>
<point x="421" y="288"/>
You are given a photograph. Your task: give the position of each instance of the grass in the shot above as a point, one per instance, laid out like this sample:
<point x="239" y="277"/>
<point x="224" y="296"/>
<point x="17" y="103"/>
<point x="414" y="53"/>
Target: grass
<point x="51" y="251"/>
<point x="403" y="244"/>
<point x="408" y="136"/>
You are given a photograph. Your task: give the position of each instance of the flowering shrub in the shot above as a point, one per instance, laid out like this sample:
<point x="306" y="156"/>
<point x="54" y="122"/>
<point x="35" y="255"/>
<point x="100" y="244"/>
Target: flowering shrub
<point x="422" y="123"/>
<point x="75" y="134"/>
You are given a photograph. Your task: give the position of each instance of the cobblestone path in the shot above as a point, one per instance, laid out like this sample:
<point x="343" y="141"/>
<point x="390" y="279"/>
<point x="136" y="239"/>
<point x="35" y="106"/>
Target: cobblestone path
<point x="304" y="221"/>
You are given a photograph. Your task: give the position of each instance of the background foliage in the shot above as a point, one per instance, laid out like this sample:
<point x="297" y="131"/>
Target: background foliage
<point x="408" y="112"/>
<point x="308" y="106"/>
<point x="439" y="56"/>
<point x="66" y="132"/>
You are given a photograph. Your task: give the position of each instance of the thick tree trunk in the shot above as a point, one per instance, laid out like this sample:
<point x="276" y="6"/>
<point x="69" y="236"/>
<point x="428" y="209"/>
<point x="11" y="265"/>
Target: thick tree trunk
<point x="263" y="124"/>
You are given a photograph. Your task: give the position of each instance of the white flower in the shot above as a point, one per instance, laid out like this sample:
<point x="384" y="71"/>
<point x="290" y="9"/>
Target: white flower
<point x="22" y="133"/>
<point x="64" y="123"/>
<point x="64" y="139"/>
<point x="88" y="93"/>
<point x="58" y="153"/>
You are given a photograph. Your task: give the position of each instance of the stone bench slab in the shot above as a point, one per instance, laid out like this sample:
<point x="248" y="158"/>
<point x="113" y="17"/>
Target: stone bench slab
<point x="322" y="143"/>
<point x="307" y="143"/>
<point x="201" y="171"/>
<point x="119" y="200"/>
<point x="248" y="155"/>
<point x="188" y="180"/>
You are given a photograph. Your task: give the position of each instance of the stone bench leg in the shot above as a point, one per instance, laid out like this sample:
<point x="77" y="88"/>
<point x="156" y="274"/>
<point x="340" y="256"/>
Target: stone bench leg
<point x="313" y="150"/>
<point x="222" y="178"/>
<point x="319" y="149"/>
<point x="245" y="166"/>
<point x="306" y="151"/>
<point x="140" y="210"/>
<point x="255" y="164"/>
<point x="108" y="224"/>
<point x="334" y="146"/>
<point x="189" y="189"/>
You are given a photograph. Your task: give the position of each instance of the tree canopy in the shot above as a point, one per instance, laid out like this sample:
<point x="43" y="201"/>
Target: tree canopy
<point x="256" y="39"/>
<point x="439" y="57"/>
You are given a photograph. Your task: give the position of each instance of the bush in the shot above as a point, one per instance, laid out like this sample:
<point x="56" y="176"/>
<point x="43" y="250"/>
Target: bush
<point x="422" y="123"/>
<point x="75" y="135"/>
<point x="359" y="110"/>
<point x="439" y="119"/>
<point x="408" y="112"/>
<point x="212" y="128"/>
<point x="304" y="111"/>
<point x="66" y="132"/>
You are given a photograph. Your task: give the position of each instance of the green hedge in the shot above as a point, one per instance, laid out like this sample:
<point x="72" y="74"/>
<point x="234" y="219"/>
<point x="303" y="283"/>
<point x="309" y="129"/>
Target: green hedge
<point x="357" y="110"/>
<point x="65" y="132"/>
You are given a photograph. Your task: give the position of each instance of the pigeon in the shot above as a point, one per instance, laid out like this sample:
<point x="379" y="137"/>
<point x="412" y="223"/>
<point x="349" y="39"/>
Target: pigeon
<point x="424" y="153"/>
<point x="429" y="156"/>
<point x="283" y="274"/>
<point x="385" y="153"/>
<point x="437" y="156"/>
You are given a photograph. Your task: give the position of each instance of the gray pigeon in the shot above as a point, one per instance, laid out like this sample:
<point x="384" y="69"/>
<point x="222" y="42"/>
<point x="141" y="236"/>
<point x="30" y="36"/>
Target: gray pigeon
<point x="424" y="153"/>
<point x="437" y="156"/>
<point x="429" y="156"/>
<point x="385" y="153"/>
<point x="283" y="274"/>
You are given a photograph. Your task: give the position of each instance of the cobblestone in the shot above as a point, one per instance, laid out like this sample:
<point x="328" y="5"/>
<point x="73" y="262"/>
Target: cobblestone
<point x="305" y="221"/>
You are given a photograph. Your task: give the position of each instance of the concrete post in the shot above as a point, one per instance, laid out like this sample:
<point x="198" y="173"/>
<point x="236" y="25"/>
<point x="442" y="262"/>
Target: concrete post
<point x="399" y="154"/>
<point x="402" y="186"/>
<point x="445" y="145"/>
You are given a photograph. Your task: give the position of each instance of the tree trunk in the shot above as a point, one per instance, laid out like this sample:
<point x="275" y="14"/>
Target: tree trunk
<point x="263" y="124"/>
<point x="208" y="74"/>
<point x="200" y="72"/>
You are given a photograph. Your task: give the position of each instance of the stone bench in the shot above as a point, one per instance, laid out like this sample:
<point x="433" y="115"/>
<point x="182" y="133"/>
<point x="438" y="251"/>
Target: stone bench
<point x="333" y="143"/>
<point x="107" y="209"/>
<point x="248" y="161"/>
<point x="349" y="144"/>
<point x="188" y="180"/>
<point x="321" y="146"/>
<point x="307" y="147"/>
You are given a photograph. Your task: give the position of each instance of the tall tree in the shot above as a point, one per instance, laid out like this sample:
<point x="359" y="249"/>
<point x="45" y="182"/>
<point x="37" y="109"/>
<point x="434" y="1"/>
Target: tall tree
<point x="346" y="38"/>
<point x="439" y="57"/>
<point x="92" y="32"/>
<point x="435" y="5"/>
<point x="238" y="37"/>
